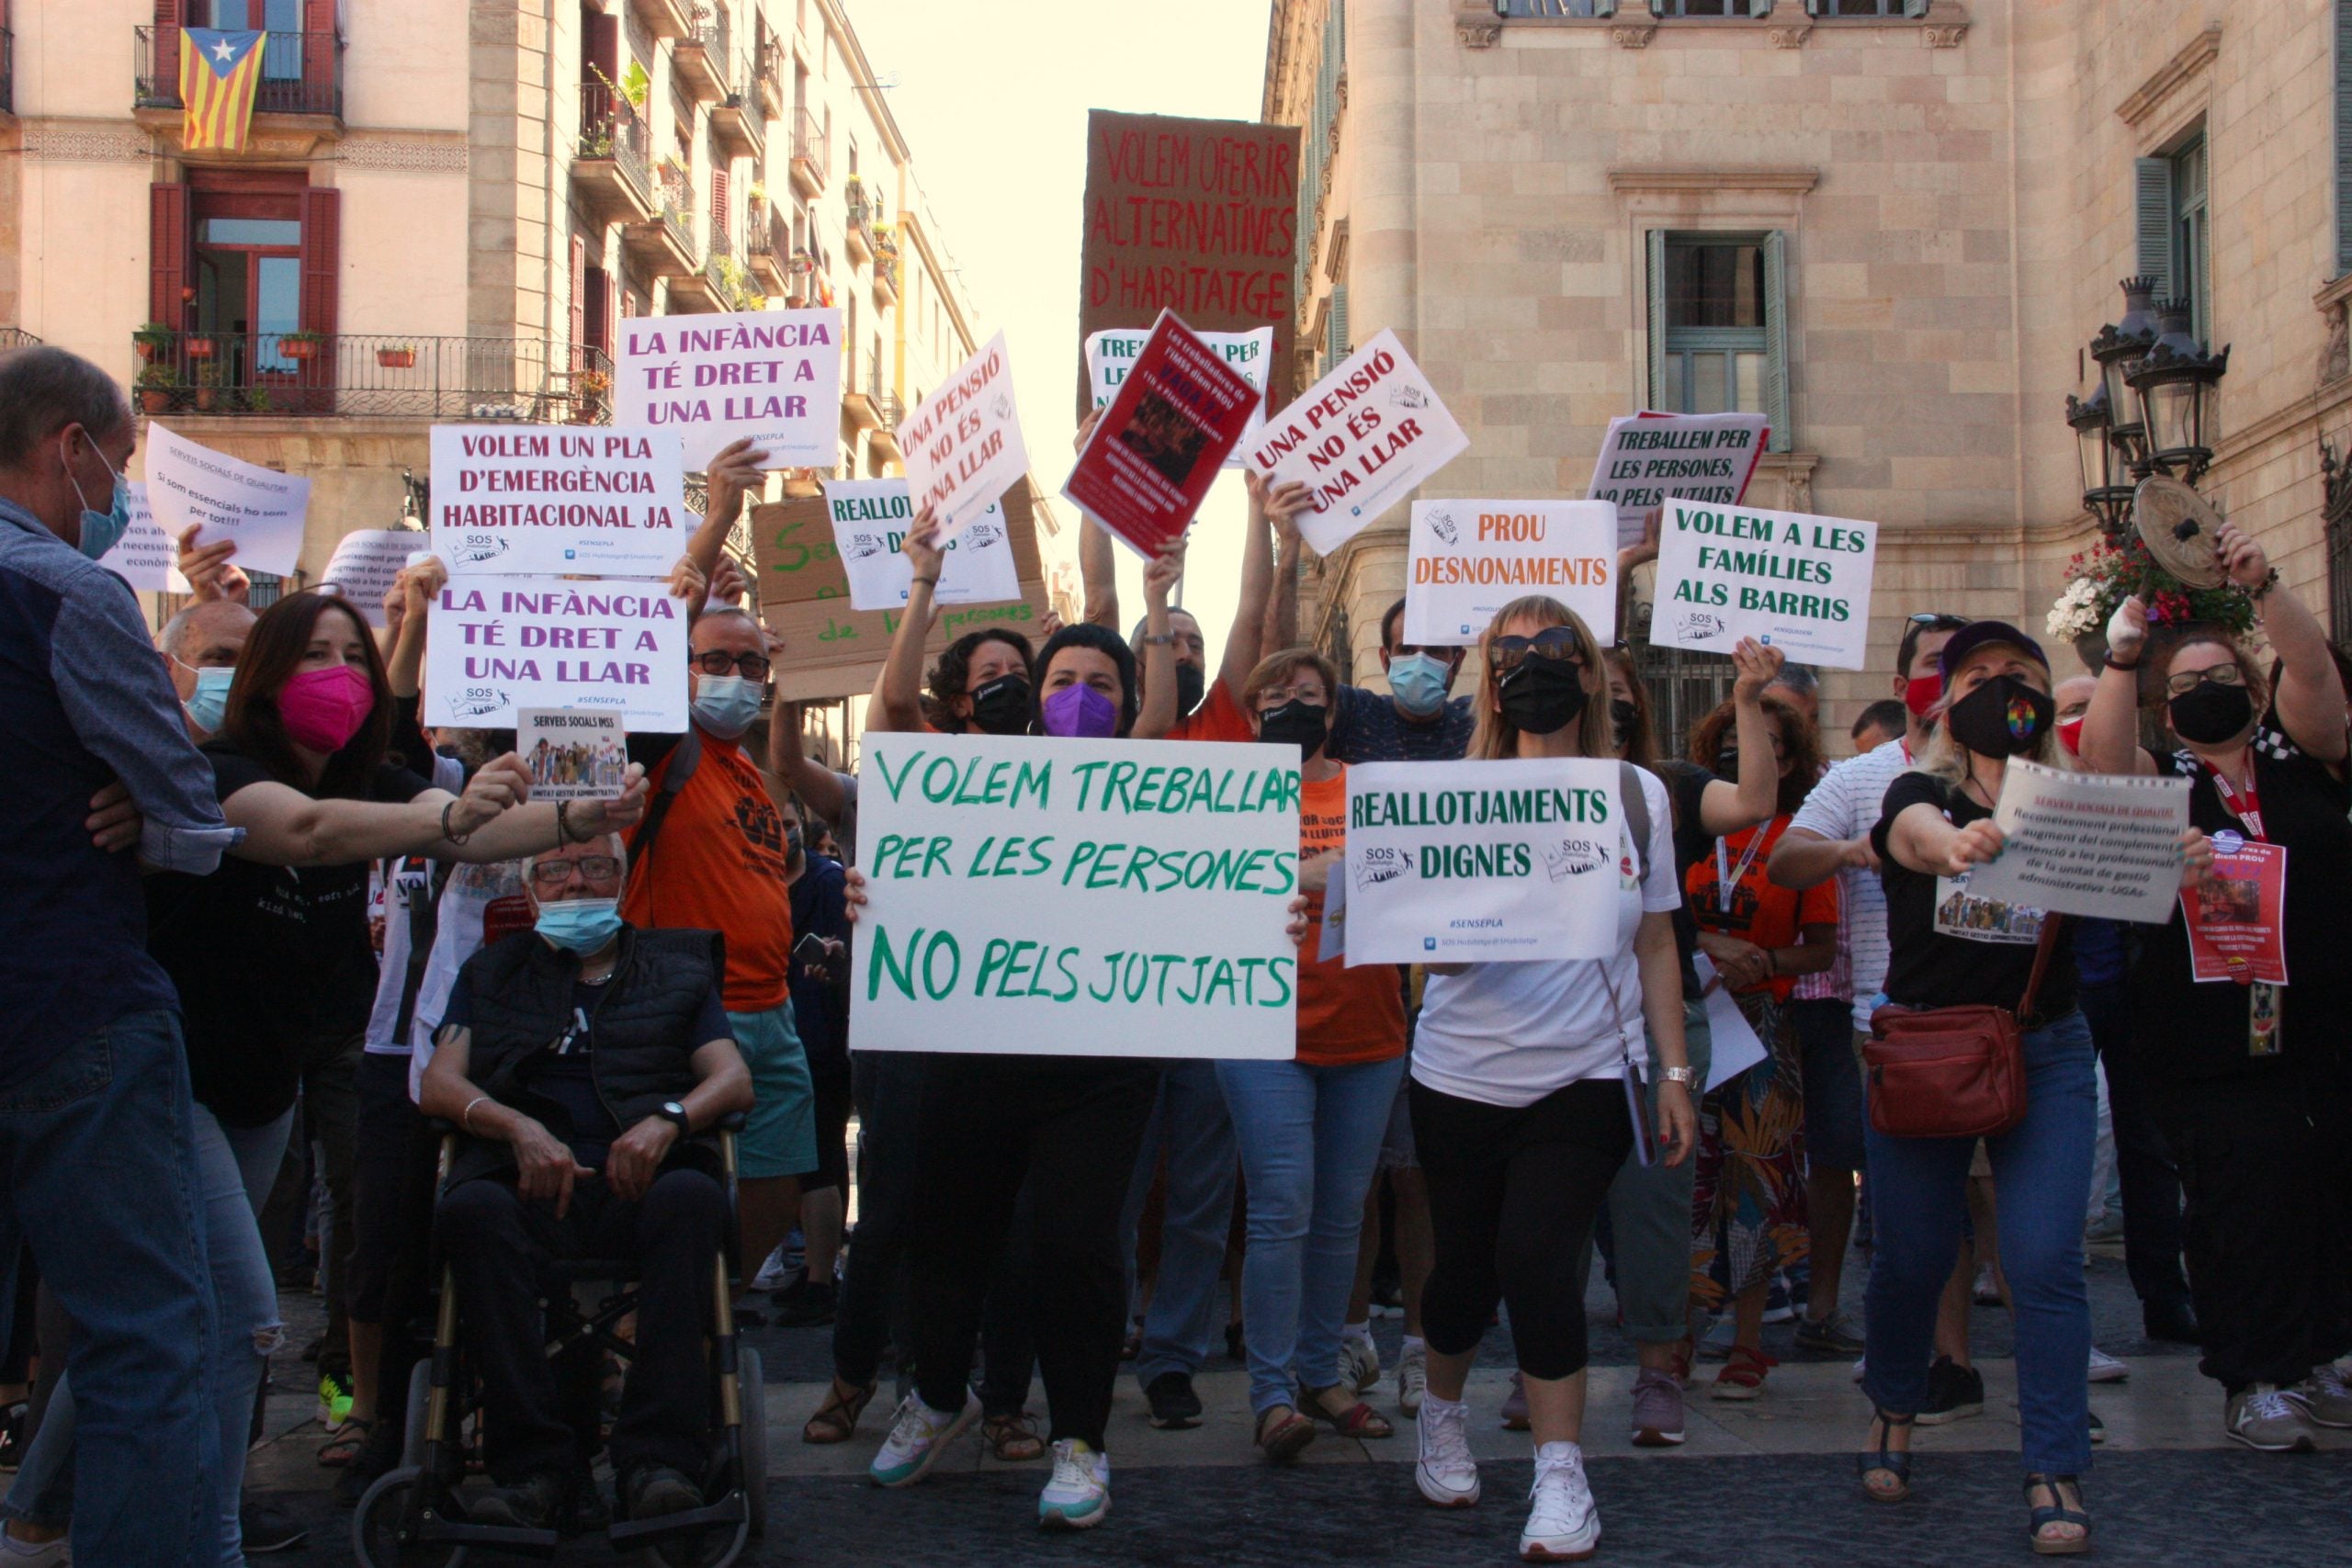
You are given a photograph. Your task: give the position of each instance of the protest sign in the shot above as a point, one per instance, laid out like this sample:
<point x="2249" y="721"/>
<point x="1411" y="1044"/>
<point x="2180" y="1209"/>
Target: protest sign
<point x="1076" y="897"/>
<point x="1152" y="456"/>
<point x="1468" y="558"/>
<point x="1453" y="862"/>
<point x="365" y="564"/>
<point x="498" y="644"/>
<point x="963" y="443"/>
<point x="260" y="508"/>
<point x="1649" y="458"/>
<point x="1111" y="354"/>
<point x="2100" y="845"/>
<point x="1791" y="582"/>
<point x="1359" y="438"/>
<point x="1195" y="216"/>
<point x="573" y="755"/>
<point x="2237" y="915"/>
<point x="870" y="520"/>
<point x="773" y="375"/>
<point x="145" y="555"/>
<point x="526" y="500"/>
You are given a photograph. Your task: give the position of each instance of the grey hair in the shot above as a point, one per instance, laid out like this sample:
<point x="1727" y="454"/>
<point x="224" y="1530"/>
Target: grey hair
<point x="43" y="389"/>
<point x="174" y="635"/>
<point x="1797" y="678"/>
<point x="612" y="838"/>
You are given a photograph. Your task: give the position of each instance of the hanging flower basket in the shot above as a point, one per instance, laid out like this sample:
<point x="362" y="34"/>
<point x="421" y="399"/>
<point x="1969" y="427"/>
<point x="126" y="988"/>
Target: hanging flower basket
<point x="198" y="348"/>
<point x="396" y="358"/>
<point x="299" y="345"/>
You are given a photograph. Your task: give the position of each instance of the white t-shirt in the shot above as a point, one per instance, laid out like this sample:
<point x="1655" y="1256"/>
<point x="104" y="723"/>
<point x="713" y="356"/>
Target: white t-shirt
<point x="1845" y="805"/>
<point x="465" y="914"/>
<point x="1511" y="1033"/>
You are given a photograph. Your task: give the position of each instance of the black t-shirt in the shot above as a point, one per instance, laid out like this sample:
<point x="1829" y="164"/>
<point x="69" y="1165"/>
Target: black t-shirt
<point x="561" y="1071"/>
<point x="2192" y="1035"/>
<point x="1946" y="949"/>
<point x="265" y="957"/>
<point x="1687" y="784"/>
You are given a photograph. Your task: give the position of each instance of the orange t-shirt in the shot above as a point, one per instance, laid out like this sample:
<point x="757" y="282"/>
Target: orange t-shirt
<point x="719" y="864"/>
<point x="1762" y="911"/>
<point x="1219" y="717"/>
<point x="1345" y="1015"/>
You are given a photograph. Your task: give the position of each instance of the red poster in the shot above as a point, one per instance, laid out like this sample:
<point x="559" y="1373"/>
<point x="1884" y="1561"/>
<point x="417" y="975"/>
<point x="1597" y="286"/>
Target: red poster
<point x="2238" y="918"/>
<point x="1159" y="445"/>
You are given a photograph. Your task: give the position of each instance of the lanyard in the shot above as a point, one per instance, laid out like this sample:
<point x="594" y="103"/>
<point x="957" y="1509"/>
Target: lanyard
<point x="2246" y="807"/>
<point x="1727" y="876"/>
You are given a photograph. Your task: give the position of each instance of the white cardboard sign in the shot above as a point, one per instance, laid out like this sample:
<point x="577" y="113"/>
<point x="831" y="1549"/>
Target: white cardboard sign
<point x="773" y="375"/>
<point x="365" y="564"/>
<point x="260" y="508"/>
<point x="527" y="499"/>
<point x="1790" y="581"/>
<point x="963" y="443"/>
<point x="1076" y="897"/>
<point x="1649" y="458"/>
<point x="2098" y="844"/>
<point x="1468" y="558"/>
<point x="499" y="644"/>
<point x="870" y="520"/>
<point x="1109" y="354"/>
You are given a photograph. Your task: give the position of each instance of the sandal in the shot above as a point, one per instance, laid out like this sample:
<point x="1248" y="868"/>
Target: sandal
<point x="836" y="1419"/>
<point x="343" y="1444"/>
<point x="1358" y="1420"/>
<point x="1742" y="1375"/>
<point x="2057" y="1513"/>
<point x="1887" y="1461"/>
<point x="1012" y="1440"/>
<point x="1282" y="1440"/>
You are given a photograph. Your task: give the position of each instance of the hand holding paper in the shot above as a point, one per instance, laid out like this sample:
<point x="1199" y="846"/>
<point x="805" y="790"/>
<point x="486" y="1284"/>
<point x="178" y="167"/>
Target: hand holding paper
<point x="208" y="570"/>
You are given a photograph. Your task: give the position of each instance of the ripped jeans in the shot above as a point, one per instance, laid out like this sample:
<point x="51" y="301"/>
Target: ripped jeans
<point x="235" y="1169"/>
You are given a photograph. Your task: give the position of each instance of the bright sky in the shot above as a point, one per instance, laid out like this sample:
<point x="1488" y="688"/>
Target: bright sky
<point x="992" y="101"/>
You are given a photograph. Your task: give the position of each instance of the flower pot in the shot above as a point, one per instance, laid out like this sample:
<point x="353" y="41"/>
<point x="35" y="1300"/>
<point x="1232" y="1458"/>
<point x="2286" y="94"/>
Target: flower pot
<point x="396" y="358"/>
<point x="155" y="399"/>
<point x="206" y="399"/>
<point x="297" y="348"/>
<point x="2091" y="649"/>
<point x="198" y="348"/>
<point x="146" y="348"/>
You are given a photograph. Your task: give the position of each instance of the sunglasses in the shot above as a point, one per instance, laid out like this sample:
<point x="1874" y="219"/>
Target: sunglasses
<point x="1552" y="642"/>
<point x="1938" y="620"/>
<point x="718" y="661"/>
<point x="592" y="868"/>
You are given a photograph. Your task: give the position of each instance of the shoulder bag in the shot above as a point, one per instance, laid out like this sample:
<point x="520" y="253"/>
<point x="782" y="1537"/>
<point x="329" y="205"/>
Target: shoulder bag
<point x="1956" y="1072"/>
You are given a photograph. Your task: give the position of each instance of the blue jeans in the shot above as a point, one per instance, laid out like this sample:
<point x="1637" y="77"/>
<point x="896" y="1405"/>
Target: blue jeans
<point x="1181" y="1327"/>
<point x="102" y="1181"/>
<point x="2042" y="1178"/>
<point x="1310" y="1141"/>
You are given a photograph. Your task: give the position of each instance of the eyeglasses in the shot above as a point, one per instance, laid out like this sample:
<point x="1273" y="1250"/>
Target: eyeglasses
<point x="1552" y="642"/>
<point x="2180" y="685"/>
<point x="591" y="868"/>
<point x="718" y="661"/>
<point x="1273" y="697"/>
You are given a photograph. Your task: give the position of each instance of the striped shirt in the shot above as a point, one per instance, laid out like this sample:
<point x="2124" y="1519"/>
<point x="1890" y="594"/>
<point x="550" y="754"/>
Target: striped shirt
<point x="1845" y="805"/>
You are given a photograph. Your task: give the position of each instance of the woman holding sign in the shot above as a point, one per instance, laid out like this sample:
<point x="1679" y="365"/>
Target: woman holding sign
<point x="1527" y="1097"/>
<point x="2243" y="1003"/>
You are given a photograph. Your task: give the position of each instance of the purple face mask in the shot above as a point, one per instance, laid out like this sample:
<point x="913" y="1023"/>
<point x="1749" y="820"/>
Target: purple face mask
<point x="1080" y="712"/>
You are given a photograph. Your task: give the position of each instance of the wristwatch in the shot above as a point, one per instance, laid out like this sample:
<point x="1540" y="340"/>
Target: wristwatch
<point x="1687" y="1077"/>
<point x="673" y="1111"/>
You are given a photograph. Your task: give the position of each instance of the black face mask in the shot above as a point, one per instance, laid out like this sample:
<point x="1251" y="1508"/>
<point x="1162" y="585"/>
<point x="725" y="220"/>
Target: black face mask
<point x="1002" y="707"/>
<point x="2211" y="713"/>
<point x="1192" y="685"/>
<point x="1623" y="715"/>
<point x="2001" y="717"/>
<point x="792" y="842"/>
<point x="1302" y="724"/>
<point x="1727" y="762"/>
<point x="1543" y="696"/>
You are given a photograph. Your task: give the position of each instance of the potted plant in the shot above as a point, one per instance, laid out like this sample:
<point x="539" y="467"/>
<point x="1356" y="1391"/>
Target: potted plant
<point x="591" y="386"/>
<point x="2114" y="570"/>
<point x="885" y="239"/>
<point x="209" y="378"/>
<point x="148" y="338"/>
<point x="156" y="386"/>
<point x="301" y="345"/>
<point x="257" y="401"/>
<point x="198" y="346"/>
<point x="396" y="356"/>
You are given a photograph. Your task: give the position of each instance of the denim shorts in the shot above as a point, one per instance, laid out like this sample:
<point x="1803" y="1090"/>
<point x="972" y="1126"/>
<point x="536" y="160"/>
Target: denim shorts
<point x="780" y="1135"/>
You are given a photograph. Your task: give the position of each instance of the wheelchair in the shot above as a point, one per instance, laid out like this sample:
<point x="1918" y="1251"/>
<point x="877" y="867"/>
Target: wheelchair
<point x="414" y="1516"/>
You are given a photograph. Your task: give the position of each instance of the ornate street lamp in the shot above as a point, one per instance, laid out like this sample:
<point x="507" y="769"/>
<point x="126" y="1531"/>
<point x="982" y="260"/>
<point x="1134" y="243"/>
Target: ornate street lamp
<point x="2117" y="346"/>
<point x="2175" y="383"/>
<point x="2106" y="488"/>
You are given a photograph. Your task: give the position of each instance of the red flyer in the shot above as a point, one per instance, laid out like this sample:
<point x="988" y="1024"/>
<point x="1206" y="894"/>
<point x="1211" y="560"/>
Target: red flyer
<point x="2237" y="915"/>
<point x="1158" y="447"/>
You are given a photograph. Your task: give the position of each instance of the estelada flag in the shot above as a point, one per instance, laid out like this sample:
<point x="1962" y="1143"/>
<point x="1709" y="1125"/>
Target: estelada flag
<point x="219" y="72"/>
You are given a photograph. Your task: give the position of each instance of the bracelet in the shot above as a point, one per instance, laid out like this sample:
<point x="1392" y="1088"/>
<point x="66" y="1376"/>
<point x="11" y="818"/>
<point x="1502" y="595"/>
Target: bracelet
<point x="446" y="833"/>
<point x="2115" y="663"/>
<point x="1687" y="1077"/>
<point x="1165" y="639"/>
<point x="2258" y="593"/>
<point x="466" y="1117"/>
<point x="563" y="823"/>
<point x="927" y="581"/>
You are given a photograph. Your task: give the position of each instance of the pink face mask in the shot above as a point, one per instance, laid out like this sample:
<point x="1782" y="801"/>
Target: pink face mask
<point x="322" y="709"/>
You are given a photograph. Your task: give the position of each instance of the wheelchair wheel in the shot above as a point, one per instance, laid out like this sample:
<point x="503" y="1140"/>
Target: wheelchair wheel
<point x="379" y="1528"/>
<point x="753" y="1444"/>
<point x="420" y="1391"/>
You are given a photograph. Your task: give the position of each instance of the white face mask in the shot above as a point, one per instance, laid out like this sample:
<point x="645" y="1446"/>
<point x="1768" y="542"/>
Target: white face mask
<point x="726" y="704"/>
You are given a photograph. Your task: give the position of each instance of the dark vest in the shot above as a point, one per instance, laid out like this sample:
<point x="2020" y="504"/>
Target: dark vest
<point x="642" y="1026"/>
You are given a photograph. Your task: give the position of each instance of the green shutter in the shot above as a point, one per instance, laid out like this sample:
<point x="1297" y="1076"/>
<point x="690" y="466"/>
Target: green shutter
<point x="2151" y="195"/>
<point x="2343" y="136"/>
<point x="1915" y="8"/>
<point x="1760" y="7"/>
<point x="1776" y="340"/>
<point x="1658" y="322"/>
<point x="1341" y="344"/>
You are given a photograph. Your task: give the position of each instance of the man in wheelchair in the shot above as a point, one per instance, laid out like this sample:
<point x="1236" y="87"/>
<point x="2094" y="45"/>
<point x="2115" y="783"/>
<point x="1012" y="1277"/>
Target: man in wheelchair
<point x="579" y="1061"/>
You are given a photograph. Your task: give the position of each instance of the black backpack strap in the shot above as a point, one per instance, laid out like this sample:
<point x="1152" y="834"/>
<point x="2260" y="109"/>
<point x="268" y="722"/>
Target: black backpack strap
<point x="1637" y="805"/>
<point x="684" y="760"/>
<point x="424" y="925"/>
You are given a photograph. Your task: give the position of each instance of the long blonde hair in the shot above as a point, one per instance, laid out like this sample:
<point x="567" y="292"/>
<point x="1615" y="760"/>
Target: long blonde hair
<point x="1946" y="759"/>
<point x="1496" y="737"/>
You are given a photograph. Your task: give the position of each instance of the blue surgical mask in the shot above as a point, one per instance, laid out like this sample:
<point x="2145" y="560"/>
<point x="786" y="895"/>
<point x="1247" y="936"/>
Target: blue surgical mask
<point x="1419" y="681"/>
<point x="209" y="705"/>
<point x="726" y="704"/>
<point x="580" y="925"/>
<point x="102" y="530"/>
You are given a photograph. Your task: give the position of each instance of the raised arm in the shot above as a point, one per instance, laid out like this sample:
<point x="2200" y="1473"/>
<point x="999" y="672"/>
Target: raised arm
<point x="418" y="586"/>
<point x="2310" y="694"/>
<point x="1098" y="563"/>
<point x="1724" y="808"/>
<point x="2110" y="738"/>
<point x="788" y="759"/>
<point x="734" y="471"/>
<point x="1158" y="715"/>
<point x="900" y="692"/>
<point x="1281" y="605"/>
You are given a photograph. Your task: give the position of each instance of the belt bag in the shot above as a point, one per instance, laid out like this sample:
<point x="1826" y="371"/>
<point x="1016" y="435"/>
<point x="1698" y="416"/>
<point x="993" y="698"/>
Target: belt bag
<point x="1956" y="1072"/>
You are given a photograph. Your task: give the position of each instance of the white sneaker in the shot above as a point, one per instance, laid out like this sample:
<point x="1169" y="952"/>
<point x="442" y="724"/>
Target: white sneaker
<point x="772" y="1275"/>
<point x="1562" y="1523"/>
<point x="2323" y="1397"/>
<point x="2106" y="1368"/>
<point x="1412" y="1380"/>
<point x="57" y="1554"/>
<point x="2263" y="1418"/>
<point x="1446" y="1474"/>
<point x="1079" y="1494"/>
<point x="918" y="1436"/>
<point x="1861" y="1365"/>
<point x="1359" y="1363"/>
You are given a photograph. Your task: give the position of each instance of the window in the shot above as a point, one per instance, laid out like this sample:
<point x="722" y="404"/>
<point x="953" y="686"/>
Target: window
<point x="1556" y="8"/>
<point x="1718" y="327"/>
<point x="246" y="258"/>
<point x="2175" y="245"/>
<point x="1336" y="343"/>
<point x="1912" y="8"/>
<point x="1711" y="7"/>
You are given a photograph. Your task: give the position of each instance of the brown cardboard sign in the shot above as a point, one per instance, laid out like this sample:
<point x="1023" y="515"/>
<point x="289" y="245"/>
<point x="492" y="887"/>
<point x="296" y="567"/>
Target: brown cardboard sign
<point x="831" y="650"/>
<point x="1195" y="216"/>
<point x="796" y="560"/>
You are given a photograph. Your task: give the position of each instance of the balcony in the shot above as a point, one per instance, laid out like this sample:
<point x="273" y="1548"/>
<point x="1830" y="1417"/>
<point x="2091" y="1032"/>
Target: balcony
<point x="356" y="375"/>
<point x="699" y="62"/>
<point x="886" y="281"/>
<point x="16" y="337"/>
<point x="613" y="171"/>
<point x="857" y="238"/>
<point x="888" y="411"/>
<point x="302" y="73"/>
<point x="719" y="285"/>
<point x="809" y="161"/>
<point x="769" y="240"/>
<point x="737" y="125"/>
<point x="664" y="19"/>
<point x="662" y="245"/>
<point x="767" y="80"/>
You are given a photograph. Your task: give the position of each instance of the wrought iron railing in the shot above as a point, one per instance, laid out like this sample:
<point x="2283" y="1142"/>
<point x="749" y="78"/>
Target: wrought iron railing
<point x="371" y="372"/>
<point x="611" y="127"/>
<point x="676" y="184"/>
<point x="887" y="407"/>
<point x="16" y="337"/>
<point x="767" y="78"/>
<point x="300" y="72"/>
<point x="808" y="142"/>
<point x="710" y="30"/>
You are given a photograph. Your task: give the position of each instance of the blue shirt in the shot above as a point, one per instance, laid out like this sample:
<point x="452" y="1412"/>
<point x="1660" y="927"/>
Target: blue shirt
<point x="1367" y="728"/>
<point x="818" y="1004"/>
<point x="84" y="701"/>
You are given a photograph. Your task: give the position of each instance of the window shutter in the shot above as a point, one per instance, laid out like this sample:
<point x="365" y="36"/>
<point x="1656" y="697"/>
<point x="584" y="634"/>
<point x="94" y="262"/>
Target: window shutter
<point x="168" y="14"/>
<point x="167" y="255"/>
<point x="1776" y="341"/>
<point x="1341" y="344"/>
<point x="1915" y="10"/>
<point x="2151" y="186"/>
<point x="594" y="294"/>
<point x="718" y="199"/>
<point x="322" y="259"/>
<point x="578" y="308"/>
<point x="600" y="48"/>
<point x="1658" y="322"/>
<point x="1760" y="7"/>
<point x="2343" y="136"/>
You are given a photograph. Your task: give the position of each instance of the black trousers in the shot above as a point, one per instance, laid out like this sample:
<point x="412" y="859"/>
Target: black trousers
<point x="1069" y="1129"/>
<point x="2153" y="1234"/>
<point x="1513" y="1191"/>
<point x="394" y="1179"/>
<point x="498" y="1244"/>
<point x="2268" y="1173"/>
